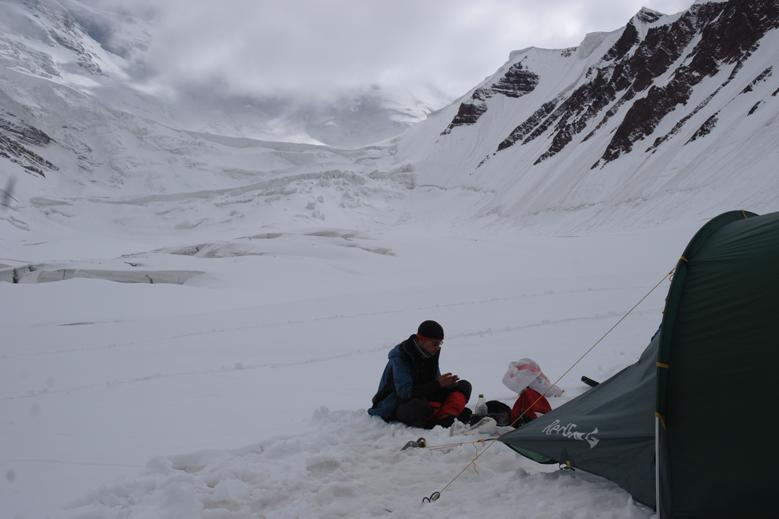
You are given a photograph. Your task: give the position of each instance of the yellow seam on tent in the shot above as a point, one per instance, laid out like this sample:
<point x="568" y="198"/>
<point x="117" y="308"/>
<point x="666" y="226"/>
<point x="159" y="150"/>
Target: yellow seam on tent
<point x="683" y="259"/>
<point x="663" y="365"/>
<point x="662" y="419"/>
<point x="744" y="213"/>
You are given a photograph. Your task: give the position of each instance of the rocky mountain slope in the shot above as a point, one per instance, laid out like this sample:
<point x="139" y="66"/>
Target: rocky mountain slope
<point x="102" y="53"/>
<point x="671" y="116"/>
<point x="79" y="130"/>
<point x="677" y="111"/>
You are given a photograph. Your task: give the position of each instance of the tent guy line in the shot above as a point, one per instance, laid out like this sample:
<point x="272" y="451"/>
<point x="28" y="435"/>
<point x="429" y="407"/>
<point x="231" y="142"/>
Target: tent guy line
<point x="436" y="495"/>
<point x="721" y="300"/>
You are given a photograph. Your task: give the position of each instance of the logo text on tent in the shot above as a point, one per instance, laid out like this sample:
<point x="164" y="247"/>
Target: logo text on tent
<point x="568" y="431"/>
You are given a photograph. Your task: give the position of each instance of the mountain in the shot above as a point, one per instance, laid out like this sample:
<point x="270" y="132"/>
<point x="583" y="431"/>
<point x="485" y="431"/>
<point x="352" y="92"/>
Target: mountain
<point x="101" y="55"/>
<point x="670" y="116"/>
<point x="174" y="285"/>
<point x="80" y="127"/>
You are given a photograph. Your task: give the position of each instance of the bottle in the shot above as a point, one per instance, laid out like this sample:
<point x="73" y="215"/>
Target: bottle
<point x="480" y="409"/>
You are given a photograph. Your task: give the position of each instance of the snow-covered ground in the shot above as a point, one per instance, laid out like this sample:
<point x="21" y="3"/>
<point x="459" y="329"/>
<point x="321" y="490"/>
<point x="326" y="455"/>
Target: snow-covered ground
<point x="242" y="392"/>
<point x="201" y="320"/>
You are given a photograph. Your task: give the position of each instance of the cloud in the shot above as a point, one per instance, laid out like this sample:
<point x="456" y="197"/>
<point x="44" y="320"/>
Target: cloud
<point x="315" y="48"/>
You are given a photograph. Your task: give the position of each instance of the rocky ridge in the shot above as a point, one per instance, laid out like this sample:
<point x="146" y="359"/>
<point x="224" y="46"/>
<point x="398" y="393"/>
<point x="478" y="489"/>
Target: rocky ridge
<point x="516" y="82"/>
<point x="15" y="139"/>
<point x="651" y="69"/>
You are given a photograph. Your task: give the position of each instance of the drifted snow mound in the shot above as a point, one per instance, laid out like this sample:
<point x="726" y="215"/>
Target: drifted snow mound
<point x="348" y="464"/>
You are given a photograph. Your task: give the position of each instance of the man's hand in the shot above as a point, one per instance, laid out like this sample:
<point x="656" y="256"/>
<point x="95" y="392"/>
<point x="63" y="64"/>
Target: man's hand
<point x="448" y="380"/>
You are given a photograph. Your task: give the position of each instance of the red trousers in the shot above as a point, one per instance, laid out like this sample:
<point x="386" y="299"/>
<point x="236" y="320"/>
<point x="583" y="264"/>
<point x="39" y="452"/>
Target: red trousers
<point x="452" y="406"/>
<point x="531" y="402"/>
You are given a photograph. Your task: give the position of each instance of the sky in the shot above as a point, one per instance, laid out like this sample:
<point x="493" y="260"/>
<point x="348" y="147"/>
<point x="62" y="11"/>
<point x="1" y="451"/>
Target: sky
<point x="316" y="48"/>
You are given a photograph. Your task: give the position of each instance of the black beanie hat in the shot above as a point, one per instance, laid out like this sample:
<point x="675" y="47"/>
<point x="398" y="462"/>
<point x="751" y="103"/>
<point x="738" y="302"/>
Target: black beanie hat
<point x="431" y="330"/>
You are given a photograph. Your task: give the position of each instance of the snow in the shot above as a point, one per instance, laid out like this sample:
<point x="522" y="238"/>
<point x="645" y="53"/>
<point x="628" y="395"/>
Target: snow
<point x="268" y="362"/>
<point x="201" y="319"/>
<point x="566" y="193"/>
<point x="340" y="471"/>
<point x="91" y="49"/>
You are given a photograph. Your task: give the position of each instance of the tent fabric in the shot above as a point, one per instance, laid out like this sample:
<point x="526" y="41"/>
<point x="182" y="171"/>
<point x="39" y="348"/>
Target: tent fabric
<point x="706" y="375"/>
<point x="720" y="343"/>
<point x="608" y="431"/>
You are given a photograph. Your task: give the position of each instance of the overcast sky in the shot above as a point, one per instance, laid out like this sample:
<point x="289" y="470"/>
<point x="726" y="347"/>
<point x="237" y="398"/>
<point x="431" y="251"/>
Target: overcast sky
<point x="325" y="46"/>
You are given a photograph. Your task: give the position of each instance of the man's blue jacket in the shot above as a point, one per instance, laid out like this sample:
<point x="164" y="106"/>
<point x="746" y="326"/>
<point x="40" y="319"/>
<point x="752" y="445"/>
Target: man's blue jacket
<point x="407" y="375"/>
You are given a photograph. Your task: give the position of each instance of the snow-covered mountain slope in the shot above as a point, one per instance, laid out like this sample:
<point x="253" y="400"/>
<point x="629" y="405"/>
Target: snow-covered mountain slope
<point x="167" y="290"/>
<point x="98" y="377"/>
<point x="80" y="138"/>
<point x="69" y="60"/>
<point x="669" y="117"/>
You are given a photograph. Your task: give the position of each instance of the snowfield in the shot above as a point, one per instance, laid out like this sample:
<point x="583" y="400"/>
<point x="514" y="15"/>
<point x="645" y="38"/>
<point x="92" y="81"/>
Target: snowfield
<point x="242" y="392"/>
<point x="349" y="465"/>
<point x="194" y="323"/>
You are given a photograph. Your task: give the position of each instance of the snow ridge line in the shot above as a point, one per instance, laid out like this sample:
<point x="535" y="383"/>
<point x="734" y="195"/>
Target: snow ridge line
<point x="436" y="495"/>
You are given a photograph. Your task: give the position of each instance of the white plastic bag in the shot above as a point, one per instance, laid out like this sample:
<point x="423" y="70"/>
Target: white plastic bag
<point x="526" y="372"/>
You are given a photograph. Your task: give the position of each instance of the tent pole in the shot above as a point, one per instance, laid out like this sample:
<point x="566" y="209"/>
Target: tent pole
<point x="657" y="467"/>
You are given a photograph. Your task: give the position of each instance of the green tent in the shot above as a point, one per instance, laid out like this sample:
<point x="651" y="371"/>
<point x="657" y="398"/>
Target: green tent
<point x="702" y="388"/>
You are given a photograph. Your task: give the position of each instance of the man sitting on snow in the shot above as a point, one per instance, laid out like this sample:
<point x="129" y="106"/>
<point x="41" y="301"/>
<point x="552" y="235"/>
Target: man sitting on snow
<point x="413" y="390"/>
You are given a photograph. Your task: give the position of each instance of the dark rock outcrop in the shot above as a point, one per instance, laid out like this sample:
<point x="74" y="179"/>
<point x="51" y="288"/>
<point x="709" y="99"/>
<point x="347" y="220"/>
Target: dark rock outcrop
<point x="521" y="131"/>
<point x="625" y="42"/>
<point x="765" y="74"/>
<point x="729" y="33"/>
<point x="516" y="82"/>
<point x="620" y="74"/>
<point x="15" y="137"/>
<point x="705" y="128"/>
<point x="623" y="80"/>
<point x="469" y="112"/>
